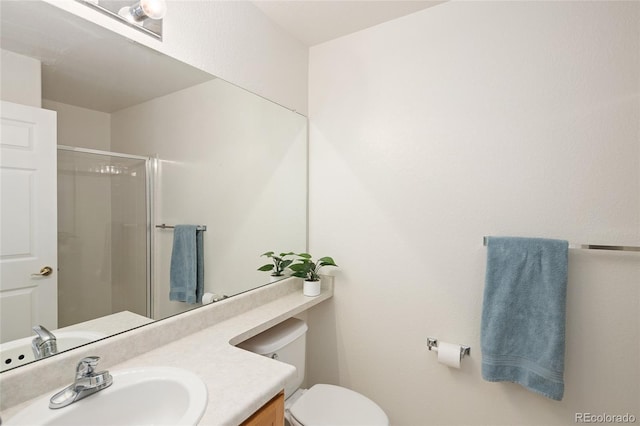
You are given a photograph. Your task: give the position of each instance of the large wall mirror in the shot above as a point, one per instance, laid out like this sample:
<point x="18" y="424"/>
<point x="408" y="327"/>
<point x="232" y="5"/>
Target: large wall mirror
<point x="141" y="140"/>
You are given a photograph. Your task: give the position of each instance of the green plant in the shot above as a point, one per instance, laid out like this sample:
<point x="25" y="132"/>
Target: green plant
<point x="306" y="268"/>
<point x="279" y="263"/>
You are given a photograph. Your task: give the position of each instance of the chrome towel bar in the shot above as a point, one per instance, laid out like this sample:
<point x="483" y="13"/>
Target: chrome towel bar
<point x="594" y="247"/>
<point x="165" y="226"/>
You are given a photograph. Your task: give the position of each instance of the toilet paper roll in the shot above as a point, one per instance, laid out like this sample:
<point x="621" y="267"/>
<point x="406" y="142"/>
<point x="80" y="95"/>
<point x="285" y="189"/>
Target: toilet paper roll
<point x="208" y="298"/>
<point x="449" y="354"/>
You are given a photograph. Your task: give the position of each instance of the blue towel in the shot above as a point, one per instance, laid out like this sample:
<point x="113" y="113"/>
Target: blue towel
<point x="523" y="315"/>
<point x="187" y="265"/>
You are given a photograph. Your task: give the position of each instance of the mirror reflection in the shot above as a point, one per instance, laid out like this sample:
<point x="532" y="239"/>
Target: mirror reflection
<point x="137" y="140"/>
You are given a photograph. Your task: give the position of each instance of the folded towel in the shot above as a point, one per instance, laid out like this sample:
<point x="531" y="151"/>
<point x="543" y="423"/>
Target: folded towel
<point x="523" y="316"/>
<point x="187" y="265"/>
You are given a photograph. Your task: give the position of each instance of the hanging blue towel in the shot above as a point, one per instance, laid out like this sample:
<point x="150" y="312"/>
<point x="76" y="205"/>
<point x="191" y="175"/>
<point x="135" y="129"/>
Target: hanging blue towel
<point x="187" y="265"/>
<point x="523" y="316"/>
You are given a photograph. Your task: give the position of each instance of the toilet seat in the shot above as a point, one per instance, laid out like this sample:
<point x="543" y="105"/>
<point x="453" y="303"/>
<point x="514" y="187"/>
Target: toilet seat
<point x="336" y="406"/>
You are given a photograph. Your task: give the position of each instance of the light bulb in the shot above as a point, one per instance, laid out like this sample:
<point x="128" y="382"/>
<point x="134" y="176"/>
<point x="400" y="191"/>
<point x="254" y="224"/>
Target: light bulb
<point x="153" y="9"/>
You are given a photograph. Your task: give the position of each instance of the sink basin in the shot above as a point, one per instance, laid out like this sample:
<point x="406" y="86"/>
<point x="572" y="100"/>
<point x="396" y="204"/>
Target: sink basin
<point x="144" y="396"/>
<point x="19" y="352"/>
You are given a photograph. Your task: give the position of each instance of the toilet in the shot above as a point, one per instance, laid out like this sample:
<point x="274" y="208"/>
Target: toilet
<point x="326" y="405"/>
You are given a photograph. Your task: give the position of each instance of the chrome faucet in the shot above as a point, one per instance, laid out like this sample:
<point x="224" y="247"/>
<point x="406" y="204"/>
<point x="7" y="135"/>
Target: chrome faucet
<point x="44" y="344"/>
<point x="87" y="382"/>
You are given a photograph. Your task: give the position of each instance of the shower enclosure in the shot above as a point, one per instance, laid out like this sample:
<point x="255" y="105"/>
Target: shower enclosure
<point x="103" y="234"/>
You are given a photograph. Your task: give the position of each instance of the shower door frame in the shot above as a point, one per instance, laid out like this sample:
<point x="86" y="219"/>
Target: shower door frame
<point x="149" y="163"/>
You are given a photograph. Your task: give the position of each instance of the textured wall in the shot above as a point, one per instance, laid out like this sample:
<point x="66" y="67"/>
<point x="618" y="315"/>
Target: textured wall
<point x="81" y="127"/>
<point x="20" y="79"/>
<point x="464" y="120"/>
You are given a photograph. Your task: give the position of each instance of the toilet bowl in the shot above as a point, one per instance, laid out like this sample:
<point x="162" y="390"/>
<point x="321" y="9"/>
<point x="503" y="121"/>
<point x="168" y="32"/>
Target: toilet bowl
<point x="321" y="404"/>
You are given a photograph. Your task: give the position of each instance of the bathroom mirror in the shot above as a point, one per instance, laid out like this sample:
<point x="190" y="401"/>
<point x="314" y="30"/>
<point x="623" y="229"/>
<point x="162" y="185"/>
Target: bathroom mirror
<point x="209" y="153"/>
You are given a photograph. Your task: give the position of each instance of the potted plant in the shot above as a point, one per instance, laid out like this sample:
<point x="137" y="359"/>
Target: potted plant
<point x="306" y="268"/>
<point x="278" y="265"/>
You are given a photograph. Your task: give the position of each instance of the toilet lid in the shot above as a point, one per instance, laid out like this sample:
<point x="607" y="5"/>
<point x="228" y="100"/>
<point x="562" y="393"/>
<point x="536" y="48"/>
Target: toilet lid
<point x="336" y="406"/>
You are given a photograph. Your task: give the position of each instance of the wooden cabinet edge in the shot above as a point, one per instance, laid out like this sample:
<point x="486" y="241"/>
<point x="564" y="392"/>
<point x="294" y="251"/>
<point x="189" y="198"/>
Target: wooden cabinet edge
<point x="270" y="414"/>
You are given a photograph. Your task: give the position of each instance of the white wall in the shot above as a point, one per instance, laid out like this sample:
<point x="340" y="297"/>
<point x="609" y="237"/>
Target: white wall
<point x="235" y="41"/>
<point x="20" y="79"/>
<point x="464" y="120"/>
<point x="229" y="160"/>
<point x="232" y="40"/>
<point x="81" y="127"/>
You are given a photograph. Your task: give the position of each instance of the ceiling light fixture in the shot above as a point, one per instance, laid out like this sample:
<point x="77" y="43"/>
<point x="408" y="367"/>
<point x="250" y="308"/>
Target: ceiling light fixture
<point x="144" y="15"/>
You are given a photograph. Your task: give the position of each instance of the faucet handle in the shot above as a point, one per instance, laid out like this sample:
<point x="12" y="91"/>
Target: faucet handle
<point x="44" y="344"/>
<point x="43" y="333"/>
<point x="86" y="366"/>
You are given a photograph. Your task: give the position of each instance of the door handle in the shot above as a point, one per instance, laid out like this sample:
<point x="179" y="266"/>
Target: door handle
<point x="44" y="272"/>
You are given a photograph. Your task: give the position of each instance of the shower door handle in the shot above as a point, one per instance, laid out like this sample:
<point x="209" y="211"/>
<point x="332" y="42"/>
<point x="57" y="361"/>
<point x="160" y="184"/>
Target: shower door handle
<point x="44" y="272"/>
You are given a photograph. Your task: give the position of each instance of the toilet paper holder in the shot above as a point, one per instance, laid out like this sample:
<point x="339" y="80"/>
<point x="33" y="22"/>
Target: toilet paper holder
<point x="432" y="344"/>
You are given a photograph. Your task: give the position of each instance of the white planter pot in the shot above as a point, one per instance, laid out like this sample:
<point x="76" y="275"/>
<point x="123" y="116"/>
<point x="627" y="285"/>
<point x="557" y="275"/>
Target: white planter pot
<point x="311" y="288"/>
<point x="274" y="278"/>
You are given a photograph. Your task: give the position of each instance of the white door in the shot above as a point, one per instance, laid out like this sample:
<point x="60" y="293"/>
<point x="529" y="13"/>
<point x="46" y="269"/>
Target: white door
<point x="28" y="221"/>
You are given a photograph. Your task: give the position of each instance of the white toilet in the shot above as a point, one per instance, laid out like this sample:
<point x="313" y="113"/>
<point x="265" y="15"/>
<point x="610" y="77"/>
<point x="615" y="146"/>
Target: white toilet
<point x="325" y="405"/>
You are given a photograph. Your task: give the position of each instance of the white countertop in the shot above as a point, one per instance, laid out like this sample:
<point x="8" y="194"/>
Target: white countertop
<point x="109" y="324"/>
<point x="238" y="382"/>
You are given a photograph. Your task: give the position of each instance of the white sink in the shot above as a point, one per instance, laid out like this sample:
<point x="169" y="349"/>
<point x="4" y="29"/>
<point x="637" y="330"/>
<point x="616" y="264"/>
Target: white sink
<point x="19" y="352"/>
<point x="144" y="396"/>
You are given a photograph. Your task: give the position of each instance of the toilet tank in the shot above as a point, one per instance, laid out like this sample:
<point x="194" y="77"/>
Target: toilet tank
<point x="286" y="343"/>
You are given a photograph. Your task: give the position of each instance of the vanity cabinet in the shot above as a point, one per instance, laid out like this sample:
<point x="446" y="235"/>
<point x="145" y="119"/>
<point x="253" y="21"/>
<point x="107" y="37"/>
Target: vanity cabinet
<point x="271" y="413"/>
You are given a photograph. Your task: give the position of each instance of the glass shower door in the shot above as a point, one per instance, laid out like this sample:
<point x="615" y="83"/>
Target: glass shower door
<point x="103" y="235"/>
